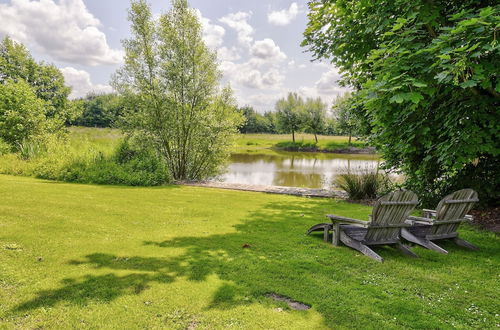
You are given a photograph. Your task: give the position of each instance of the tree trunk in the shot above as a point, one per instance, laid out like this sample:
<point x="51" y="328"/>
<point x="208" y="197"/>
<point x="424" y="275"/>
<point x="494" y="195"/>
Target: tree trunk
<point x="293" y="136"/>
<point x="350" y="135"/>
<point x="316" y="137"/>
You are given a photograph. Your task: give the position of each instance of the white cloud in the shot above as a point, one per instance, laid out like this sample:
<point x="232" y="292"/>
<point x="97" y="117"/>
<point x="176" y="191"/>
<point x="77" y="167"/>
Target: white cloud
<point x="328" y="83"/>
<point x="249" y="75"/>
<point x="81" y="84"/>
<point x="326" y="87"/>
<point x="228" y="54"/>
<point x="238" y="22"/>
<point x="267" y="51"/>
<point x="213" y="34"/>
<point x="64" y="30"/>
<point x="283" y="17"/>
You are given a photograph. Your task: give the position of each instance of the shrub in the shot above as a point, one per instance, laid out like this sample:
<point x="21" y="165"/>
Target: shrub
<point x="22" y="114"/>
<point x="364" y="185"/>
<point x="54" y="158"/>
<point x="5" y="148"/>
<point x="296" y="146"/>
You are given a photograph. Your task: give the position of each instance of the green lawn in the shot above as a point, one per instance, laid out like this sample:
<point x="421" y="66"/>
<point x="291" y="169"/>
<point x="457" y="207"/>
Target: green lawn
<point x="84" y="256"/>
<point x="107" y="138"/>
<point x="257" y="142"/>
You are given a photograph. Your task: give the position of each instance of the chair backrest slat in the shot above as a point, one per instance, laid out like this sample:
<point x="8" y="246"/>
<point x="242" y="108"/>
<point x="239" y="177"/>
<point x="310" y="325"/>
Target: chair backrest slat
<point x="392" y="210"/>
<point x="453" y="207"/>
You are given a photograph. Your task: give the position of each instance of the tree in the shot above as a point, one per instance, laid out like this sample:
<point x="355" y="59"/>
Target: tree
<point x="315" y="116"/>
<point x="47" y="81"/>
<point x="100" y="110"/>
<point x="22" y="114"/>
<point x="289" y="113"/>
<point x="345" y="116"/>
<point x="426" y="73"/>
<point x="170" y="86"/>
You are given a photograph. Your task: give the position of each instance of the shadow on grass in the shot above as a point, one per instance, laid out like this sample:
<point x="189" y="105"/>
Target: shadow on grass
<point x="269" y="253"/>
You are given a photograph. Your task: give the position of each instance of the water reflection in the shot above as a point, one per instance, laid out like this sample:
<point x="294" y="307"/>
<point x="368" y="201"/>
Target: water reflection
<point x="312" y="170"/>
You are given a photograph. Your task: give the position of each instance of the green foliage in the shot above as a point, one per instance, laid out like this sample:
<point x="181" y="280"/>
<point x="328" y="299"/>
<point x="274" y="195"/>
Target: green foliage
<point x="297" y="146"/>
<point x="100" y="110"/>
<point x="47" y="81"/>
<point x="255" y="122"/>
<point x="22" y="114"/>
<point x="427" y="76"/>
<point x="5" y="147"/>
<point x="56" y="158"/>
<point x="289" y="114"/>
<point x="170" y="87"/>
<point x="345" y="116"/>
<point x="314" y="116"/>
<point x="368" y="184"/>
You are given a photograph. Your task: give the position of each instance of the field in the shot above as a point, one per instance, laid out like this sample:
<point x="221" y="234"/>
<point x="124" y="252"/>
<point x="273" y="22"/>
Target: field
<point x="86" y="256"/>
<point x="258" y="142"/>
<point x="105" y="138"/>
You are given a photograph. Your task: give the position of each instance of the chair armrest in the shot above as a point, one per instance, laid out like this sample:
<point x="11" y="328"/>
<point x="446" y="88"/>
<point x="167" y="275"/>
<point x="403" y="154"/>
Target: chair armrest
<point x="413" y="219"/>
<point x="337" y="218"/>
<point x="429" y="213"/>
<point x="469" y="217"/>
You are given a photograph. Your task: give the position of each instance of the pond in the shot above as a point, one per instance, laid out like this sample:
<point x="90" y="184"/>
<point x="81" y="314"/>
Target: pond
<point x="294" y="169"/>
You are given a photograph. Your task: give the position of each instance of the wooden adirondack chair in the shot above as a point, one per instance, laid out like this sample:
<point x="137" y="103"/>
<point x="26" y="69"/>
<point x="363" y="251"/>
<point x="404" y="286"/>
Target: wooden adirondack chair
<point x="443" y="222"/>
<point x="384" y="227"/>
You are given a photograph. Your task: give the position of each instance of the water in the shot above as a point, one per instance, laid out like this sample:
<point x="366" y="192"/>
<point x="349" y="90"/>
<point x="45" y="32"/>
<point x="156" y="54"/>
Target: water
<point x="292" y="169"/>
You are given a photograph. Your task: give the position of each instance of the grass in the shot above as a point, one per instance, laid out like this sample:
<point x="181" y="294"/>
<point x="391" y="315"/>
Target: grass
<point x="107" y="138"/>
<point x="75" y="256"/>
<point x="257" y="142"/>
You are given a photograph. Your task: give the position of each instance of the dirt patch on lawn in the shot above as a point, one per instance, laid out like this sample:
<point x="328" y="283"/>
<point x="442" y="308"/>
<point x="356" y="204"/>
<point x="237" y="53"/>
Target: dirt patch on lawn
<point x="295" y="305"/>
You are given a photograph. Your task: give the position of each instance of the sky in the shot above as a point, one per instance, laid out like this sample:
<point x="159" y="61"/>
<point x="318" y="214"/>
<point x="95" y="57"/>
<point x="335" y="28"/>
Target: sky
<point x="257" y="43"/>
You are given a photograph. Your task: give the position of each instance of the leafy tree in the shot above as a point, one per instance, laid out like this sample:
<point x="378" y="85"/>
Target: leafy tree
<point x="315" y="116"/>
<point x="427" y="76"/>
<point x="22" y="114"/>
<point x="100" y="110"/>
<point x="344" y="113"/>
<point x="289" y="113"/>
<point x="16" y="63"/>
<point x="170" y="86"/>
<point x="255" y="122"/>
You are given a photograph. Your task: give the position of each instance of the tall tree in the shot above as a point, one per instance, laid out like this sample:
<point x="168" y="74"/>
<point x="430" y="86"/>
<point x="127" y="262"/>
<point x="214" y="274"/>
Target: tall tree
<point x="345" y="117"/>
<point x="289" y="113"/>
<point x="427" y="75"/>
<point x="170" y="82"/>
<point x="314" y="116"/>
<point x="16" y="63"/>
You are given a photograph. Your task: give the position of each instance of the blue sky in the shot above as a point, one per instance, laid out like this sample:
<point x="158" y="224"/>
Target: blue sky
<point x="258" y="44"/>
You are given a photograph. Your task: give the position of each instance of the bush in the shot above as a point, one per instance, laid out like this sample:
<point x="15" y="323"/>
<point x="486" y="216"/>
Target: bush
<point x="297" y="146"/>
<point x="55" y="159"/>
<point x="365" y="185"/>
<point x="5" y="148"/>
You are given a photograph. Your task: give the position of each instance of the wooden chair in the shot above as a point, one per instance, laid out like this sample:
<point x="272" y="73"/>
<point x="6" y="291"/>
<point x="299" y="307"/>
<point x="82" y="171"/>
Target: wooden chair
<point x="443" y="222"/>
<point x="384" y="227"/>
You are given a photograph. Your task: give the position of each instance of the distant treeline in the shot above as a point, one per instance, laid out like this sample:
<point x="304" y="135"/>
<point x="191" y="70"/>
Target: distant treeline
<point x="105" y="110"/>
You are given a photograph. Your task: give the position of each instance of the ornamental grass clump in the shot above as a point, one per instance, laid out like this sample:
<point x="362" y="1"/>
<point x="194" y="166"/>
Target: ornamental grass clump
<point x="368" y="184"/>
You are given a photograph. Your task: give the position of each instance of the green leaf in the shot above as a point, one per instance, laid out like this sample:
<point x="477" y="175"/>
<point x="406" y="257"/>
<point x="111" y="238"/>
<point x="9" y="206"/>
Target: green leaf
<point x="419" y="84"/>
<point x="415" y="97"/>
<point x="398" y="98"/>
<point x="468" y="84"/>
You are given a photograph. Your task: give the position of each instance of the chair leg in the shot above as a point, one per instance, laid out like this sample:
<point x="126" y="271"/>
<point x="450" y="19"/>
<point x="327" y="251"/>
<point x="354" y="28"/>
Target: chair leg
<point x="325" y="233"/>
<point x="360" y="247"/>
<point x="422" y="241"/>
<point x="406" y="250"/>
<point x="465" y="244"/>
